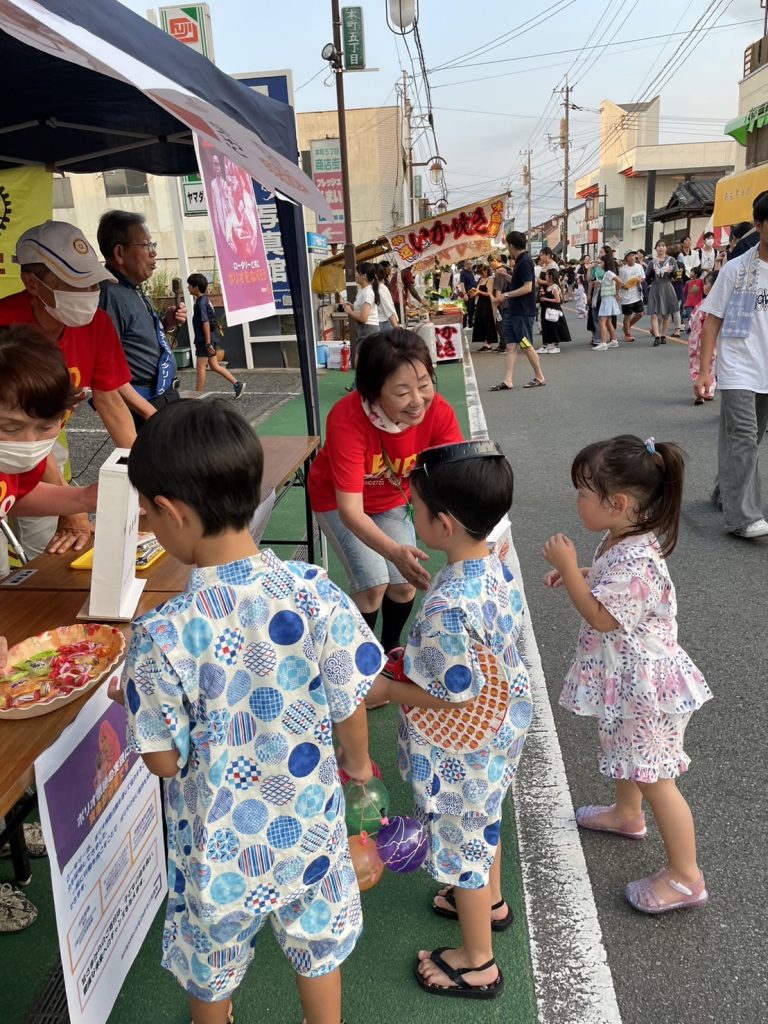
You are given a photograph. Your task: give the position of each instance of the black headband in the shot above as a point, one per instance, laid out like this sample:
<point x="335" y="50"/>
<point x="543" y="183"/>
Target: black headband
<point x="460" y="452"/>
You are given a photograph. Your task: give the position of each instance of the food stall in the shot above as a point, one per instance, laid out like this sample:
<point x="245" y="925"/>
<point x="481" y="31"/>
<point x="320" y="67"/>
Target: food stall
<point x="467" y="232"/>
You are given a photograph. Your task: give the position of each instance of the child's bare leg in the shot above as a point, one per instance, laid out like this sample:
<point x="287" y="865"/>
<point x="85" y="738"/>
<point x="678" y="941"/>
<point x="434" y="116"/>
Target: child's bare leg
<point x="320" y="998"/>
<point x="209" y="1013"/>
<point x="474" y="909"/>
<point x="625" y="815"/>
<point x="675" y="821"/>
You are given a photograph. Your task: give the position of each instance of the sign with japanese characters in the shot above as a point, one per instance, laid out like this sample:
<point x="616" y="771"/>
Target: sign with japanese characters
<point x="456" y="235"/>
<point x="191" y="25"/>
<point x="326" y="174"/>
<point x="242" y="259"/>
<point x="100" y="812"/>
<point x="193" y="196"/>
<point x="353" y="36"/>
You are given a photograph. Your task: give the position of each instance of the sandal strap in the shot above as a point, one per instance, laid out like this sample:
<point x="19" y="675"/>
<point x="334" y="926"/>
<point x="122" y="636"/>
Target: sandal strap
<point x="454" y="973"/>
<point x="483" y="967"/>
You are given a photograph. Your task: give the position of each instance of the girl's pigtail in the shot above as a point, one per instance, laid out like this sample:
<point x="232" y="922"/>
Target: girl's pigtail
<point x="663" y="517"/>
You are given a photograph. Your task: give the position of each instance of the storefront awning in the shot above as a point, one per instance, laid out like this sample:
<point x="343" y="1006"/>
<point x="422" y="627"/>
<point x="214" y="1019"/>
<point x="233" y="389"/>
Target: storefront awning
<point x="735" y="194"/>
<point x="740" y="127"/>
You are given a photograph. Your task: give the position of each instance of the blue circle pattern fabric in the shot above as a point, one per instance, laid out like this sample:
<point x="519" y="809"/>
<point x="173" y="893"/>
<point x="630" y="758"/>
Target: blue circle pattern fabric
<point x="244" y="676"/>
<point x="458" y="794"/>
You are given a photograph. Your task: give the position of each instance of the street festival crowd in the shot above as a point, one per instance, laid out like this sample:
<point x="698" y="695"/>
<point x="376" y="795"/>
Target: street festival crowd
<point x="235" y="689"/>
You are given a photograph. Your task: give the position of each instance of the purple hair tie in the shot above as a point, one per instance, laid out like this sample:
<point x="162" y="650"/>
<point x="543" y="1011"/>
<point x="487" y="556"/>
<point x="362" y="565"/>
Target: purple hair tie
<point x="650" y="445"/>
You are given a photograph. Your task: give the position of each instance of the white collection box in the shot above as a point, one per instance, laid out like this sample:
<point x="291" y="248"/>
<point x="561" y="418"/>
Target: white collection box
<point x="115" y="590"/>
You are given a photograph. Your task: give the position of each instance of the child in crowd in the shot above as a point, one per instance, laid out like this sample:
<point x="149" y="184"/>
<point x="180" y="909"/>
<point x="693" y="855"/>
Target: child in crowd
<point x="580" y="299"/>
<point x="462" y="645"/>
<point x="694" y="344"/>
<point x="693" y="294"/>
<point x="232" y="691"/>
<point x="629" y="671"/>
<point x="204" y="322"/>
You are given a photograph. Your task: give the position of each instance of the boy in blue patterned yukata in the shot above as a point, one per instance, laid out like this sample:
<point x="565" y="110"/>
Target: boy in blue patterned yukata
<point x="467" y="707"/>
<point x="232" y="691"/>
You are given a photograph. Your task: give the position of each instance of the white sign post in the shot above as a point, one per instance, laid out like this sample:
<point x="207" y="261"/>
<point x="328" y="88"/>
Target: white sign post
<point x="115" y="590"/>
<point x="100" y="812"/>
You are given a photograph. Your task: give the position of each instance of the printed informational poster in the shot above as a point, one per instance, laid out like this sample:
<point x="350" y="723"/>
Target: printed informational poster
<point x="240" y="252"/>
<point x="100" y="812"/>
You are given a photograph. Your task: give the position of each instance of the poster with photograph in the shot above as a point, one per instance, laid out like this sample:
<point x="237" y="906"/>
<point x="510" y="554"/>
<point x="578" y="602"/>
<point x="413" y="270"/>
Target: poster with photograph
<point x="100" y="812"/>
<point x="240" y="253"/>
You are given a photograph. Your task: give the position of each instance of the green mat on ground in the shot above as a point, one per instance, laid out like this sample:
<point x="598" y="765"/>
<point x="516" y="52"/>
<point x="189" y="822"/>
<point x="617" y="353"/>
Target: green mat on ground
<point x="378" y="978"/>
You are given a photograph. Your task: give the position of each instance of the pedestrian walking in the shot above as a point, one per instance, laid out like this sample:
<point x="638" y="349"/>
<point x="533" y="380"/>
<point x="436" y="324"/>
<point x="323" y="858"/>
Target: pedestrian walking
<point x="554" y="327"/>
<point x="484" y="327"/>
<point x="662" y="301"/>
<point x="518" y="310"/>
<point x="205" y="325"/>
<point x="698" y="316"/>
<point x="737" y="323"/>
<point x="629" y="672"/>
<point x="467" y="285"/>
<point x="608" y="310"/>
<point x="693" y="293"/>
<point x="631" y="277"/>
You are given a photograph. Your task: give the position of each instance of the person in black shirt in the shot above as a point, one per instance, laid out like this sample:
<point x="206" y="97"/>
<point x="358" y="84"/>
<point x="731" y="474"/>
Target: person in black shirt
<point x="468" y="281"/>
<point x="518" y="310"/>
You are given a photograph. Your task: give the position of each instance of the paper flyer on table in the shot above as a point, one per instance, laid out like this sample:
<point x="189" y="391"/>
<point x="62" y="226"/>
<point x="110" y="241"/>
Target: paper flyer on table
<point x="100" y="812"/>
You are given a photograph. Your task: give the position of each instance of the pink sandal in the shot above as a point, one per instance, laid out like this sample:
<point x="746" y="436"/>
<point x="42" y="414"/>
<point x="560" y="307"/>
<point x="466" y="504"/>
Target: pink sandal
<point x="586" y="817"/>
<point x="643" y="898"/>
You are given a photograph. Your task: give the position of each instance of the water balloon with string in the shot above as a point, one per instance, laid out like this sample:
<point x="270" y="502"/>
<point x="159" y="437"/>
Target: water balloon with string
<point x="365" y="805"/>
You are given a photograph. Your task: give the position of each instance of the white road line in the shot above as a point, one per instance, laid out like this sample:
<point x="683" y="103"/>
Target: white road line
<point x="571" y="975"/>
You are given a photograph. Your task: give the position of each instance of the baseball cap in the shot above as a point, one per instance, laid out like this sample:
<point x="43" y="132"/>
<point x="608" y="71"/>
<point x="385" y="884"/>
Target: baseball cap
<point x="65" y="251"/>
<point x="630" y="252"/>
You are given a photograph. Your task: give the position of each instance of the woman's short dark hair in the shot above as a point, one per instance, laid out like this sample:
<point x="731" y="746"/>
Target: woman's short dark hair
<point x="476" y="492"/>
<point x="33" y="374"/>
<point x="199" y="281"/>
<point x="115" y="229"/>
<point x="204" y="454"/>
<point x="381" y="355"/>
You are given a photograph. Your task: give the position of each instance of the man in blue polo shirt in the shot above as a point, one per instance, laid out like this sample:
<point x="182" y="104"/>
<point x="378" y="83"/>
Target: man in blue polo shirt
<point x="518" y="311"/>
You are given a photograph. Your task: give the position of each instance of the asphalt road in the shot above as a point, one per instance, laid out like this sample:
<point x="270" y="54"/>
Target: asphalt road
<point x="692" y="967"/>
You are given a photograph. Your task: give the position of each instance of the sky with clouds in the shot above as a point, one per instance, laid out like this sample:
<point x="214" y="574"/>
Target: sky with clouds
<point x="493" y="67"/>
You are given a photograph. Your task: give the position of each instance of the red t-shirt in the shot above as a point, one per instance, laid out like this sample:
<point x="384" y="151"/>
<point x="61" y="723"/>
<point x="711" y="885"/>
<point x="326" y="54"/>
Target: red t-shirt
<point x="352" y="458"/>
<point x="93" y="353"/>
<point x="15" y="485"/>
<point x="693" y="292"/>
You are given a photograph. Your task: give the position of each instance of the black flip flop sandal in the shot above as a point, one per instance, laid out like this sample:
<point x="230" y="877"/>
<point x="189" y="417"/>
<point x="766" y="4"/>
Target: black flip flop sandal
<point x="502" y="387"/>
<point x="535" y="383"/>
<point x="461" y="990"/>
<point x="499" y="925"/>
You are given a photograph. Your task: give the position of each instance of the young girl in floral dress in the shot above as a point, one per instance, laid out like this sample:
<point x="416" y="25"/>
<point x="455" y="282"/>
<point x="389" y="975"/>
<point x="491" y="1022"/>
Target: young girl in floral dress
<point x="694" y="345"/>
<point x="629" y="671"/>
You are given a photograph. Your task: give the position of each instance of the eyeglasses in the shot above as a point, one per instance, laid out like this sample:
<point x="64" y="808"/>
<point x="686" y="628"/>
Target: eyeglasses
<point x="151" y="247"/>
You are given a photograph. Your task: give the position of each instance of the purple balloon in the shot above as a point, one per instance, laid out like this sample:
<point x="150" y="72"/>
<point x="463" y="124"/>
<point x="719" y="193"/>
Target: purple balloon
<point x="403" y="844"/>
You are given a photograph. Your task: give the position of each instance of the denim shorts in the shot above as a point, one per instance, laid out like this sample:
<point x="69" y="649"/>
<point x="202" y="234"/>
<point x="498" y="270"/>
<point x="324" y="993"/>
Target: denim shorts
<point x="517" y="330"/>
<point x="365" y="567"/>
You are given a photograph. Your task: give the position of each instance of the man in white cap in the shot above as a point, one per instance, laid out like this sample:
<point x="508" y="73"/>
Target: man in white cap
<point x="61" y="272"/>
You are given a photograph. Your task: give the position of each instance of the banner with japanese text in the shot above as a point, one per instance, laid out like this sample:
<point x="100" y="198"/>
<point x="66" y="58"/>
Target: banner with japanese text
<point x="100" y="812"/>
<point x="326" y="174"/>
<point x="237" y="238"/>
<point x="465" y="233"/>
<point x="26" y="199"/>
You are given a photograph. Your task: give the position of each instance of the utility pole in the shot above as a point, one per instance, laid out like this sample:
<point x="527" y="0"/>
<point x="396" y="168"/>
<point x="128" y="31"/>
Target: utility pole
<point x="349" y="243"/>
<point x="565" y="145"/>
<point x="408" y="148"/>
<point x="526" y="177"/>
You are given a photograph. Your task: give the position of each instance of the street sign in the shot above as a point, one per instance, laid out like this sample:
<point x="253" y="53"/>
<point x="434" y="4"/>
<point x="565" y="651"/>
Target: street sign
<point x="418" y="186"/>
<point x="191" y="25"/>
<point x="317" y="242"/>
<point x="353" y="36"/>
<point x="326" y="174"/>
<point x="193" y="196"/>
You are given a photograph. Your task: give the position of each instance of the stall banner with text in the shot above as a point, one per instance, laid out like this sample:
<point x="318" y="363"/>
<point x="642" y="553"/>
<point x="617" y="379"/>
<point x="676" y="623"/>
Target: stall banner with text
<point x="100" y="812"/>
<point x="240" y="253"/>
<point x="326" y="174"/>
<point x="26" y="199"/>
<point x="465" y="233"/>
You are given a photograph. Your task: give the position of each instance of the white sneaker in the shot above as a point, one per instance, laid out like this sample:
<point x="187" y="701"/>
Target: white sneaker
<point x="542" y="350"/>
<point x="600" y="348"/>
<point x="756" y="529"/>
<point x="613" y="344"/>
<point x="554" y="350"/>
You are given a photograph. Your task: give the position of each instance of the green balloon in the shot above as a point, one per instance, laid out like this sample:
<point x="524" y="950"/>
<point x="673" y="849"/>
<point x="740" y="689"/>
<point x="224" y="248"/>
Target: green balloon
<point x="365" y="806"/>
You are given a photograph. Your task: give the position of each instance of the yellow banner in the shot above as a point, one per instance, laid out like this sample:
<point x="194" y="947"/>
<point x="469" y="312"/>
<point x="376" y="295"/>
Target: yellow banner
<point x="735" y="194"/>
<point x="26" y="199"/>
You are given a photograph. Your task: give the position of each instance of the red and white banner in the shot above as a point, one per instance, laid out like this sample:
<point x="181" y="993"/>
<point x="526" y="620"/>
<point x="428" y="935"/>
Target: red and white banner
<point x="326" y="174"/>
<point x="465" y="233"/>
<point x="240" y="252"/>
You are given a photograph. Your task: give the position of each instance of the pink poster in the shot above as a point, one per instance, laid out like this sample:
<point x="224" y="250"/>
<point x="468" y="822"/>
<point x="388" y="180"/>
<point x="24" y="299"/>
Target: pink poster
<point x="240" y="254"/>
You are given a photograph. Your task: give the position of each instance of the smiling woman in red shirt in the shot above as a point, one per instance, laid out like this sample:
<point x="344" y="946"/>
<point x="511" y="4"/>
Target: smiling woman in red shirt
<point x="358" y="484"/>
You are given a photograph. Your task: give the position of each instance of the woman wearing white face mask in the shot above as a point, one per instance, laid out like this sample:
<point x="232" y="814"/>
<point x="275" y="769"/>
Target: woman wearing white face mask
<point x="35" y="394"/>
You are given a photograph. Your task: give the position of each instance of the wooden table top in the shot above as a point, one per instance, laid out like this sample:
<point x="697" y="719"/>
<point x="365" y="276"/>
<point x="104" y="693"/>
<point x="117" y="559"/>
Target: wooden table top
<point x="283" y="456"/>
<point x="24" y="614"/>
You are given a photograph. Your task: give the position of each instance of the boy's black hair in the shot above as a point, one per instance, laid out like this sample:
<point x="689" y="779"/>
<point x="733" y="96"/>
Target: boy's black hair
<point x="204" y="454"/>
<point x="760" y="207"/>
<point x="33" y="374"/>
<point x="199" y="281"/>
<point x="381" y="355"/>
<point x="476" y="492"/>
<point x="516" y="239"/>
